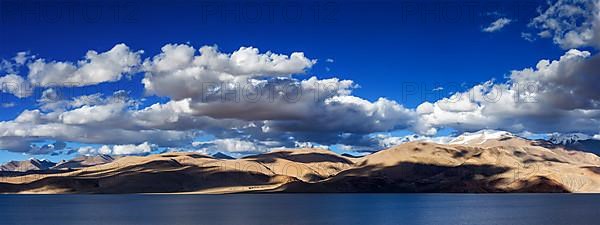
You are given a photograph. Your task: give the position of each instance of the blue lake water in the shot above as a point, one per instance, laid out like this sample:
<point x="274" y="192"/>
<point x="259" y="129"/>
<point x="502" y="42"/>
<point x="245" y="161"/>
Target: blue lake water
<point x="512" y="209"/>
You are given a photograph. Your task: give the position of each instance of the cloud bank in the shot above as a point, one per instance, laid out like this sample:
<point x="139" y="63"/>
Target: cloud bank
<point x="554" y="96"/>
<point x="248" y="100"/>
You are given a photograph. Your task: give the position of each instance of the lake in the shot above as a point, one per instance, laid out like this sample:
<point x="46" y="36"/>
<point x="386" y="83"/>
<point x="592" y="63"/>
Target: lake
<point x="248" y="209"/>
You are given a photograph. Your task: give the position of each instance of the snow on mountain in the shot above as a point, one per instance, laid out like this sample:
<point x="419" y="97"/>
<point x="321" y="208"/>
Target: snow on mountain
<point x="387" y="141"/>
<point x="479" y="137"/>
<point x="565" y="139"/>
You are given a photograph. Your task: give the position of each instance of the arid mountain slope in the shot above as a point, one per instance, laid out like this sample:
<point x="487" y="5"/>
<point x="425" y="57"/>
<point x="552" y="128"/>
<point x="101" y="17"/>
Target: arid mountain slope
<point x="84" y="161"/>
<point x="503" y="164"/>
<point x="508" y="165"/>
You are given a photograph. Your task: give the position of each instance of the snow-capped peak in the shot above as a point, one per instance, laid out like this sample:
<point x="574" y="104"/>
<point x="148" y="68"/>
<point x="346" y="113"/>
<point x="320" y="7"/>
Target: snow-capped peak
<point x="32" y="159"/>
<point x="480" y="137"/>
<point x="565" y="139"/>
<point x="386" y="140"/>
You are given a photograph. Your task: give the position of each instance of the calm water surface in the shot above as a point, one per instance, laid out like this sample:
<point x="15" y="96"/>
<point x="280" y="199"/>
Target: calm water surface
<point x="309" y="209"/>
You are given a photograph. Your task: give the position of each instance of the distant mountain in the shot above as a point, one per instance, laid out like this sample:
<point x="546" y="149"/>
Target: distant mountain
<point x="566" y="139"/>
<point x="576" y="141"/>
<point x="590" y="145"/>
<point x="350" y="155"/>
<point x="27" y="165"/>
<point x="84" y="161"/>
<point x="220" y="155"/>
<point x="480" y="137"/>
<point x="412" y="137"/>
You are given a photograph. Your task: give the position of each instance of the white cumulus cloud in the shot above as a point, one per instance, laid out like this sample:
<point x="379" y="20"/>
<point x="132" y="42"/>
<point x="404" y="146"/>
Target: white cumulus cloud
<point x="497" y="25"/>
<point x="95" y="68"/>
<point x="16" y="85"/>
<point x="570" y="23"/>
<point x="555" y="96"/>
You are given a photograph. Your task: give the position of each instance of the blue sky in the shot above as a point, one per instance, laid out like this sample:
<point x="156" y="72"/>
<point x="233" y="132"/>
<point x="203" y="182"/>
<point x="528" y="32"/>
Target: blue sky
<point x="368" y="42"/>
<point x="380" y="46"/>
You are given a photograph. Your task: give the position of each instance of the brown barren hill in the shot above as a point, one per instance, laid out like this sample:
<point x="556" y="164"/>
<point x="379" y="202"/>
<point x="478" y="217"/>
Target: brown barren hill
<point x="503" y="164"/>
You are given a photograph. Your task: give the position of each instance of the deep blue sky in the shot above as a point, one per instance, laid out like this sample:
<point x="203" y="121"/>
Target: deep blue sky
<point x="380" y="46"/>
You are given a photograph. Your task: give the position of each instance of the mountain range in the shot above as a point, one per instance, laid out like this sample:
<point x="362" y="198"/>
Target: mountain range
<point x="480" y="162"/>
<point x="27" y="165"/>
